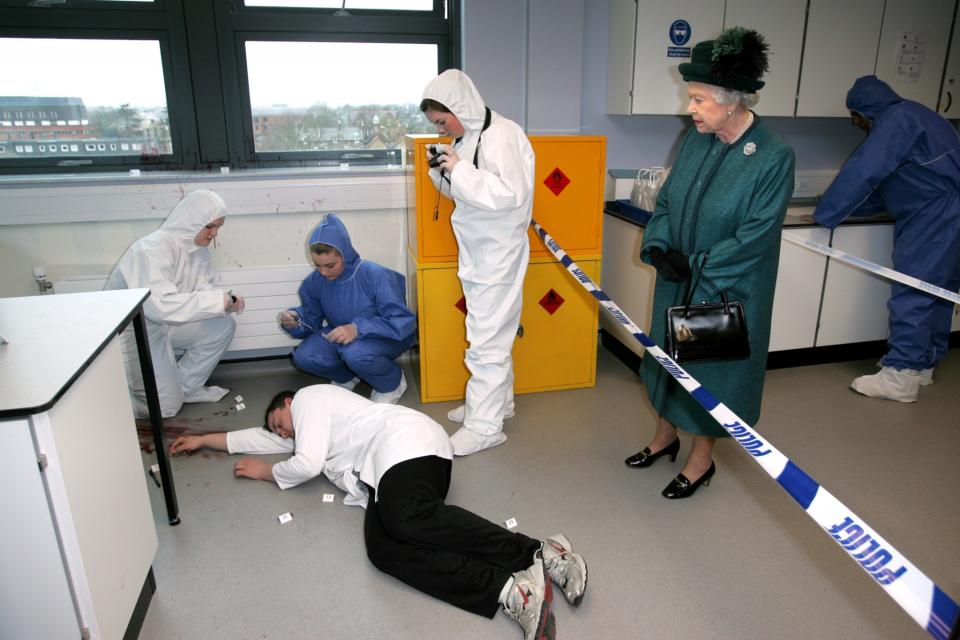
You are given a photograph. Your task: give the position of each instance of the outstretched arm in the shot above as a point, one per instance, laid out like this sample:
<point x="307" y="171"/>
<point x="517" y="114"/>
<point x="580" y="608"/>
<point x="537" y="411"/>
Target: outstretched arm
<point x="186" y="444"/>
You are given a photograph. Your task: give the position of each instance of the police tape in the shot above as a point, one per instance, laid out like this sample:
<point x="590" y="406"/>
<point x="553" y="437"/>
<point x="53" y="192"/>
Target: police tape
<point x="875" y="268"/>
<point x="923" y="600"/>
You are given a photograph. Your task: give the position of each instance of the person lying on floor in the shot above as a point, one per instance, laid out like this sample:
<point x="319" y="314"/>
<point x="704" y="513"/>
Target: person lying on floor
<point x="397" y="463"/>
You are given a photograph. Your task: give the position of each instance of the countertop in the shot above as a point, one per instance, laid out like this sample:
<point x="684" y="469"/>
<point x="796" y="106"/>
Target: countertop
<point x="799" y="214"/>
<point x="52" y="340"/>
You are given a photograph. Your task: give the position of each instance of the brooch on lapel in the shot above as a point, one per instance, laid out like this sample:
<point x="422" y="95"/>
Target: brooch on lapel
<point x="749" y="149"/>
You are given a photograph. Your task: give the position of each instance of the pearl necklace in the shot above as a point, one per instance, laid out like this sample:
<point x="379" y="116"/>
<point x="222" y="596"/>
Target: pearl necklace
<point x="743" y="129"/>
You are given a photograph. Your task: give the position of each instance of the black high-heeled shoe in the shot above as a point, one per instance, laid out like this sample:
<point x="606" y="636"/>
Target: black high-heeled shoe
<point x="644" y="458"/>
<point x="680" y="487"/>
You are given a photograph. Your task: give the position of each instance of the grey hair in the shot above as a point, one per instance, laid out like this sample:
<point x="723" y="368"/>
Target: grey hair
<point x="730" y="96"/>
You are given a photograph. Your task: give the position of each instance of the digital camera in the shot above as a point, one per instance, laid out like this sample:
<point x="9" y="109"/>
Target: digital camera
<point x="435" y="154"/>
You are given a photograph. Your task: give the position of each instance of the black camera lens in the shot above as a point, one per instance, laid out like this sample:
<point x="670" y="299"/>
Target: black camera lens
<point x="434" y="160"/>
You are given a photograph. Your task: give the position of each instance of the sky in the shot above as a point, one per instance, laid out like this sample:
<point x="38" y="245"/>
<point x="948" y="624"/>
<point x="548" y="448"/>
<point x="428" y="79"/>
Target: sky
<point x="296" y="74"/>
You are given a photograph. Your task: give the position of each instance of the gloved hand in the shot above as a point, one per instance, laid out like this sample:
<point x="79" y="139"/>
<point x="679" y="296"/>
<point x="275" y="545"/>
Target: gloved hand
<point x="680" y="263"/>
<point x="664" y="265"/>
<point x="288" y="319"/>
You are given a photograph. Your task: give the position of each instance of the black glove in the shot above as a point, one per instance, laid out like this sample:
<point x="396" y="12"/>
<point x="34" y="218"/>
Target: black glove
<point x="664" y="265"/>
<point x="680" y="263"/>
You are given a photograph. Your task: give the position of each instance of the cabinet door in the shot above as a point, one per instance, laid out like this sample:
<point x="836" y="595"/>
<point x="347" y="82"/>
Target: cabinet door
<point x="558" y="345"/>
<point x="913" y="47"/>
<point x="949" y="104"/>
<point x="665" y="31"/>
<point x="840" y="46"/>
<point x="796" y="303"/>
<point x="855" y="302"/>
<point x="781" y="23"/>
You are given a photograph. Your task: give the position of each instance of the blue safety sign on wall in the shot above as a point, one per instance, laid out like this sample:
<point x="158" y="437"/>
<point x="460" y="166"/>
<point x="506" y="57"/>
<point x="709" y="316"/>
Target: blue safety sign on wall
<point x="680" y="33"/>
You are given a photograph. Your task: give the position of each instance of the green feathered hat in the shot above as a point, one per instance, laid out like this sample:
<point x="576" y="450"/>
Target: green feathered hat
<point x="735" y="60"/>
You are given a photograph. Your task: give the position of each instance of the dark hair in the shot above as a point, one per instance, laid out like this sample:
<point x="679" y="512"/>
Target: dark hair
<point x="320" y="248"/>
<point x="278" y="402"/>
<point x="427" y="103"/>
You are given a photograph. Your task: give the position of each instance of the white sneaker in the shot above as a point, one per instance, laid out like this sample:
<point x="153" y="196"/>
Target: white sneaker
<point x="466" y="441"/>
<point x="926" y="377"/>
<point x="567" y="570"/>
<point x="458" y="414"/>
<point x="890" y="384"/>
<point x="527" y="602"/>
<point x="349" y="385"/>
<point x="390" y="397"/>
<point x="206" y="394"/>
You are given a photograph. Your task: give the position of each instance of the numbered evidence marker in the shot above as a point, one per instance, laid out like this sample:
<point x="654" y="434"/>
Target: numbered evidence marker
<point x="328" y="497"/>
<point x="511" y="523"/>
<point x="284" y="518"/>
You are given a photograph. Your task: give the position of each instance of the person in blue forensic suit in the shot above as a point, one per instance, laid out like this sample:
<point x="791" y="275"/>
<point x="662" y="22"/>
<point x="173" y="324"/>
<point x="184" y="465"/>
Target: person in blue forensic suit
<point x="909" y="165"/>
<point x="353" y="317"/>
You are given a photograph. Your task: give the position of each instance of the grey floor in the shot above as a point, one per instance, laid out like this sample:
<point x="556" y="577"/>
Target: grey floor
<point x="738" y="560"/>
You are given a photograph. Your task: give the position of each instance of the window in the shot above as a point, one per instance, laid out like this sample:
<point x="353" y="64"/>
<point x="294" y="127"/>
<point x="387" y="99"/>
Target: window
<point x="181" y="84"/>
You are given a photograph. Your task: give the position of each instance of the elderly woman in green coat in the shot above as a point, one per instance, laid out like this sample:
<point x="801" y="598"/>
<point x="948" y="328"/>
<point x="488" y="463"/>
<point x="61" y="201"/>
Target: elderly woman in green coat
<point x="722" y="207"/>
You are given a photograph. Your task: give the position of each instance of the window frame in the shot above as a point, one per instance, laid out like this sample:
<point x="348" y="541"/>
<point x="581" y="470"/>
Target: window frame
<point x="202" y="48"/>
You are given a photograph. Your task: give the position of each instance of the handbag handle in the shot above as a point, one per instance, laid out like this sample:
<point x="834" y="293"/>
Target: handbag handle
<point x="692" y="285"/>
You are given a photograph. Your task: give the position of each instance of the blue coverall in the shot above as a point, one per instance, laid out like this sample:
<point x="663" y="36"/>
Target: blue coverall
<point x="908" y="165"/>
<point x="366" y="294"/>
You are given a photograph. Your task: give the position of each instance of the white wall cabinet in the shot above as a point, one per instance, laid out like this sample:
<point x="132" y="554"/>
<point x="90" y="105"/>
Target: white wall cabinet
<point x="854" y="301"/>
<point x="781" y="24"/>
<point x="643" y="49"/>
<point x="840" y="46"/>
<point x="817" y="49"/>
<point x="949" y="104"/>
<point x="913" y="47"/>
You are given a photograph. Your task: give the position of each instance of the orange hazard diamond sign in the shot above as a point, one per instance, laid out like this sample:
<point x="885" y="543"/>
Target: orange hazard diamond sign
<point x="557" y="181"/>
<point x="551" y="301"/>
<point x="462" y="305"/>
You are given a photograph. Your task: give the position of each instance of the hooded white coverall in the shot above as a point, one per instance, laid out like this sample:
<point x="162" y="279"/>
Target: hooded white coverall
<point x="494" y="202"/>
<point x="186" y="322"/>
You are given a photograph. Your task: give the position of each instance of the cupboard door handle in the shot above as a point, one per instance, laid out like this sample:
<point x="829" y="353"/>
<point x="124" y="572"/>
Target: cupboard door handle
<point x="949" y="102"/>
<point x="520" y="331"/>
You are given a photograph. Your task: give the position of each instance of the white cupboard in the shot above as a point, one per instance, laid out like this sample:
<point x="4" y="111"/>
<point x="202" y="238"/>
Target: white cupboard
<point x="781" y="24"/>
<point x="913" y="47"/>
<point x="796" y="301"/>
<point x="840" y="46"/>
<point x="949" y="104"/>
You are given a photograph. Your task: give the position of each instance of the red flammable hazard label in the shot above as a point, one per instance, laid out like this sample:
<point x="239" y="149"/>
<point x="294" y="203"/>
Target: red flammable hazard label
<point x="557" y="181"/>
<point x="462" y="305"/>
<point x="551" y="301"/>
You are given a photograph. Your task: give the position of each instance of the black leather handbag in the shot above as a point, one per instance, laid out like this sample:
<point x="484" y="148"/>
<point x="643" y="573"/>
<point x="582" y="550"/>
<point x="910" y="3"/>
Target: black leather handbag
<point x="707" y="332"/>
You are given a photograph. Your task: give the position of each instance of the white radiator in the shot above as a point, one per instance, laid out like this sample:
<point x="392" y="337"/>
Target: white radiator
<point x="266" y="290"/>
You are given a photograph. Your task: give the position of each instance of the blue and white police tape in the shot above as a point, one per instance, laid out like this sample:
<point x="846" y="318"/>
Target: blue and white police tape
<point x="874" y="268"/>
<point x="923" y="600"/>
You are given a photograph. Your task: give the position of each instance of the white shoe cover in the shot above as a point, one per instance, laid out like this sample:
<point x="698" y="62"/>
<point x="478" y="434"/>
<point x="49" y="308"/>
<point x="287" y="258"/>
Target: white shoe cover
<point x="458" y="414"/>
<point x="890" y="384"/>
<point x="926" y="377"/>
<point x="466" y="441"/>
<point x="348" y="385"/>
<point x="207" y="394"/>
<point x="390" y="397"/>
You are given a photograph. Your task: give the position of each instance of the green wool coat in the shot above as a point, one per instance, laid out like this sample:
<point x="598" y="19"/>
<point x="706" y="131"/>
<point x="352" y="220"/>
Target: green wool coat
<point x="722" y="199"/>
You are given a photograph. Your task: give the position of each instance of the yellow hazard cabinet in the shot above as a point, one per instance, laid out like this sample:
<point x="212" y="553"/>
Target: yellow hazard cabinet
<point x="556" y="346"/>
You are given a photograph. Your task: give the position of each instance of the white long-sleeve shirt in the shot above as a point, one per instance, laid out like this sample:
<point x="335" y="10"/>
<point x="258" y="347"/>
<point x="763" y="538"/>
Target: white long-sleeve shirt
<point x="345" y="437"/>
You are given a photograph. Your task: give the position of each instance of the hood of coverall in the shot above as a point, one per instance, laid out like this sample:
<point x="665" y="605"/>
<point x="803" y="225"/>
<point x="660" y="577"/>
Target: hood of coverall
<point x="455" y="90"/>
<point x="869" y="96"/>
<point x="332" y="232"/>
<point x="194" y="212"/>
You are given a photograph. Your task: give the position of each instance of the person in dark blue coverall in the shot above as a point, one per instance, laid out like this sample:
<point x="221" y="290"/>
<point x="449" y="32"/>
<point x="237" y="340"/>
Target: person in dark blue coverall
<point x="353" y="317"/>
<point x="909" y="165"/>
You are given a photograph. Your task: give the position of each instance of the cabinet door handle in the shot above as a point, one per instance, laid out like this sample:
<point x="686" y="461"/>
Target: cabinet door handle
<point x="520" y="331"/>
<point x="949" y="102"/>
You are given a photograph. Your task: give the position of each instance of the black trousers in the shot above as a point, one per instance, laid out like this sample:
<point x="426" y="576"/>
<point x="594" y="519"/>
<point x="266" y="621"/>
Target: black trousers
<point x="439" y="549"/>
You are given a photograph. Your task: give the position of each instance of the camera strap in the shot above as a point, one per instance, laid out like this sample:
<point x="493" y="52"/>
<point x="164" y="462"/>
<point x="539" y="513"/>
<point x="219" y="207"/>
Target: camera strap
<point x="486" y="124"/>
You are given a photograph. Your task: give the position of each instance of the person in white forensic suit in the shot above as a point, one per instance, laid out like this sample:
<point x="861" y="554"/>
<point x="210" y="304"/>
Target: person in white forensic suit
<point x="188" y="319"/>
<point x="488" y="172"/>
<point x="397" y="463"/>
